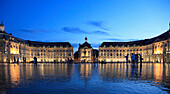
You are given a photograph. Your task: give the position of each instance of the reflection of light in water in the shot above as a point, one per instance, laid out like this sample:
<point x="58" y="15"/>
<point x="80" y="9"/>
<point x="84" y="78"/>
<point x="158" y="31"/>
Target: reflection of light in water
<point x="85" y="70"/>
<point x="111" y="76"/>
<point x="29" y="70"/>
<point x="158" y="72"/>
<point x="167" y="70"/>
<point x="42" y="69"/>
<point x="14" y="73"/>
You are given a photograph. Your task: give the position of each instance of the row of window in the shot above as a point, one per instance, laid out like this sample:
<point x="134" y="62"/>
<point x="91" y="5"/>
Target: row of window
<point x="120" y="50"/>
<point x="61" y="54"/>
<point x="115" y="57"/>
<point x="49" y="57"/>
<point x="117" y="54"/>
<point x="133" y="45"/>
<point x="53" y="50"/>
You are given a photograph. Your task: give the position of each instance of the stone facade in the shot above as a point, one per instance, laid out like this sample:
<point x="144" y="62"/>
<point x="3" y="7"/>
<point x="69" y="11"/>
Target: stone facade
<point x="12" y="48"/>
<point x="156" y="49"/>
<point x="85" y="52"/>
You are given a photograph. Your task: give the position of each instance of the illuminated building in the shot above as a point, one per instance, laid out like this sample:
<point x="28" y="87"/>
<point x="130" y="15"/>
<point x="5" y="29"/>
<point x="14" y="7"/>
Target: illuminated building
<point x="86" y="53"/>
<point x="12" y="48"/>
<point x="156" y="49"/>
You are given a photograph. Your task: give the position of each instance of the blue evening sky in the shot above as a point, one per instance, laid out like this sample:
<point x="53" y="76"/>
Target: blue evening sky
<point x="72" y="20"/>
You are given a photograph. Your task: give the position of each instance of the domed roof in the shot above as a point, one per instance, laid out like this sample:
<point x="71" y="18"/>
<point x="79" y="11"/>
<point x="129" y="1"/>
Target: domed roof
<point x="86" y="44"/>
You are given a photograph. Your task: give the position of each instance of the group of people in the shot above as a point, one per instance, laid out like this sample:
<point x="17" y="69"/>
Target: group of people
<point x="135" y="58"/>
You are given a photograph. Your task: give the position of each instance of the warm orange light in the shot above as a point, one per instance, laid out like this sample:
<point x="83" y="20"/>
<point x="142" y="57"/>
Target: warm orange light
<point x="108" y="60"/>
<point x="85" y="70"/>
<point x="158" y="50"/>
<point x="2" y="28"/>
<point x="14" y="73"/>
<point x="158" y="72"/>
<point x="14" y="50"/>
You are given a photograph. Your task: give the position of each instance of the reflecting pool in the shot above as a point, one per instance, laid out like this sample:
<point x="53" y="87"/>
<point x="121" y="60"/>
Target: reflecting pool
<point x="48" y="78"/>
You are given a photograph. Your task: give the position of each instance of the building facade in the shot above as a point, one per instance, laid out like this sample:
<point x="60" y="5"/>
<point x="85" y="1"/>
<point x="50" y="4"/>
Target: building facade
<point x="85" y="52"/>
<point x="156" y="49"/>
<point x="13" y="49"/>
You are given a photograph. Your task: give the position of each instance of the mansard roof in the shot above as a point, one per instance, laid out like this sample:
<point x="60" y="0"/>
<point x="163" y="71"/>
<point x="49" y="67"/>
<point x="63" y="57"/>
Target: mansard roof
<point x="85" y="44"/>
<point x="159" y="38"/>
<point x="34" y="43"/>
<point x="51" y="44"/>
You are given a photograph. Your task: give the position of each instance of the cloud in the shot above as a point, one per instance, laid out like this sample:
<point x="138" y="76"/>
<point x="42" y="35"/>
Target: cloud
<point x="120" y="40"/>
<point x="73" y="30"/>
<point x="34" y="31"/>
<point x="100" y="32"/>
<point x="99" y="24"/>
<point x="80" y="31"/>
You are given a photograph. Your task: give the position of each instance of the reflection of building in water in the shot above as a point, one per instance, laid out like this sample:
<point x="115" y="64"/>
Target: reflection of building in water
<point x="149" y="71"/>
<point x="9" y="76"/>
<point x="12" y="48"/>
<point x="86" y="70"/>
<point x="158" y="70"/>
<point x="116" y="70"/>
<point x="59" y="70"/>
<point x="15" y="74"/>
<point x="63" y="70"/>
<point x="155" y="49"/>
<point x="12" y="74"/>
<point x="4" y="78"/>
